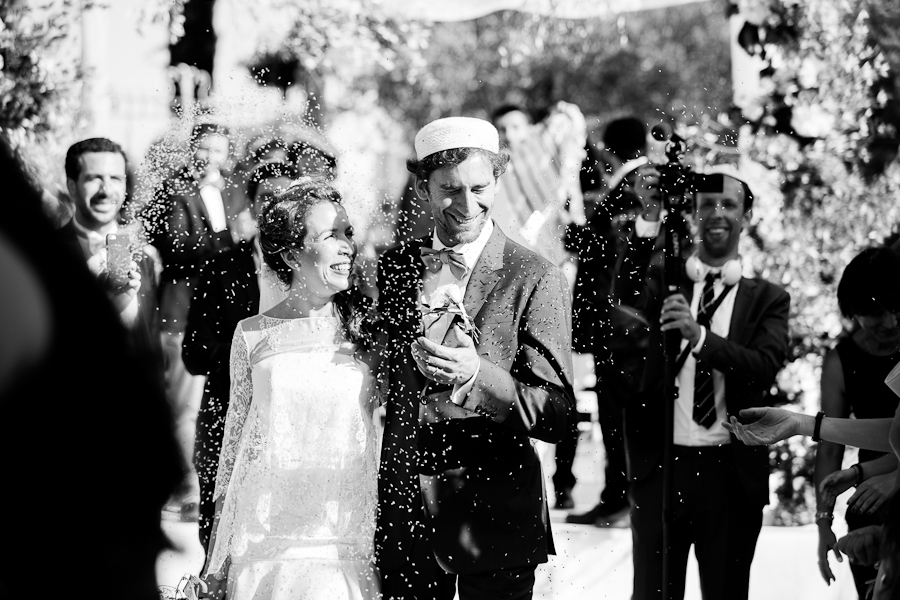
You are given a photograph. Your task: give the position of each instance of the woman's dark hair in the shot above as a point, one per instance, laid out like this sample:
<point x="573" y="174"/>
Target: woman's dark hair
<point x="870" y="283"/>
<point x="454" y="156"/>
<point x="283" y="225"/>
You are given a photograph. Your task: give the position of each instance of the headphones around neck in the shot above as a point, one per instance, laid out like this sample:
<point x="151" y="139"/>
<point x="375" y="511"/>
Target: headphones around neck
<point x="731" y="271"/>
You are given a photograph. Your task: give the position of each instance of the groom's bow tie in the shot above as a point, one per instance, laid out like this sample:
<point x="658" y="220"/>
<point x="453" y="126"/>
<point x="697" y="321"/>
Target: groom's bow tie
<point x="434" y="259"/>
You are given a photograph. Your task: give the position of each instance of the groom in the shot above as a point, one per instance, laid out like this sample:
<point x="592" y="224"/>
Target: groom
<point x="461" y="493"/>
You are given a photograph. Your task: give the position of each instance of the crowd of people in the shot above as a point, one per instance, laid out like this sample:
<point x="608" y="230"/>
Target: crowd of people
<point x="230" y="319"/>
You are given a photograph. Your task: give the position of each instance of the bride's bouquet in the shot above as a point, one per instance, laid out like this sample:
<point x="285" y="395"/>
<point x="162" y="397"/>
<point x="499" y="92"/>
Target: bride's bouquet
<point x="446" y="300"/>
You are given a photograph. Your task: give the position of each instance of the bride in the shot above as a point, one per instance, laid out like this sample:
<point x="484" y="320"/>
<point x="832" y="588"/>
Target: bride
<point x="296" y="486"/>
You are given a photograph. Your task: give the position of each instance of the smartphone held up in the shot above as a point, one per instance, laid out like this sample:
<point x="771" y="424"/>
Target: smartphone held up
<point x="119" y="257"/>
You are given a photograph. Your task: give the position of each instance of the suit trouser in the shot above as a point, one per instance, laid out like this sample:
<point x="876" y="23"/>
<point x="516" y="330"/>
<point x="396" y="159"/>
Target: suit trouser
<point x="184" y="392"/>
<point x="711" y="511"/>
<point x="610" y="417"/>
<point x="421" y="578"/>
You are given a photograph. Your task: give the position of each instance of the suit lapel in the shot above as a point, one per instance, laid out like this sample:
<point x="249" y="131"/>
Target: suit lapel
<point x="745" y="292"/>
<point x="199" y="207"/>
<point x="417" y="270"/>
<point x="486" y="273"/>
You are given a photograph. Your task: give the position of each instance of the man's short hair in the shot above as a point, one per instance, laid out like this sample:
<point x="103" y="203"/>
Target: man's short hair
<point x="870" y="283"/>
<point x="73" y="165"/>
<point x="203" y="129"/>
<point x="422" y="169"/>
<point x="625" y="137"/>
<point x="269" y="171"/>
<point x="505" y="109"/>
<point x="707" y="183"/>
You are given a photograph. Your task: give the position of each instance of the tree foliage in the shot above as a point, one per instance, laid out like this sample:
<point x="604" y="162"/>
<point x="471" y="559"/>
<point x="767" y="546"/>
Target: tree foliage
<point x="669" y="63"/>
<point x="34" y="87"/>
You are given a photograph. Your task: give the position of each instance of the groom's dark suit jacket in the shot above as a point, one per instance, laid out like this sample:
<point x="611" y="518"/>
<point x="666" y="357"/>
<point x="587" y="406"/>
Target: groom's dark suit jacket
<point x="749" y="358"/>
<point x="473" y="466"/>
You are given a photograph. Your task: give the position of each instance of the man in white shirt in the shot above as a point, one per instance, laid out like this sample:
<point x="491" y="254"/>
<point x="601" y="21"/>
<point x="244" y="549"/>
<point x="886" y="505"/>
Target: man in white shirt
<point x="734" y="333"/>
<point x="461" y="499"/>
<point x="191" y="221"/>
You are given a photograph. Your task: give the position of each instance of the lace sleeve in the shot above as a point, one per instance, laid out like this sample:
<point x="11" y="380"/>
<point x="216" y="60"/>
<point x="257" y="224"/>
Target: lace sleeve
<point x="238" y="407"/>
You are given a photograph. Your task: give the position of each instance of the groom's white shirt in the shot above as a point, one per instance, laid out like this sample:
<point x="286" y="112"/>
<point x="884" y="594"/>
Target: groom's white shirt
<point x="433" y="280"/>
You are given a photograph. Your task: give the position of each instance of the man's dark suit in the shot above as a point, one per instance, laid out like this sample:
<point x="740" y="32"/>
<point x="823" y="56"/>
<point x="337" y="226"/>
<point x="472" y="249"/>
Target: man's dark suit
<point x="227" y="292"/>
<point x="143" y="334"/>
<point x="183" y="234"/>
<point x="473" y="465"/>
<point x="749" y="358"/>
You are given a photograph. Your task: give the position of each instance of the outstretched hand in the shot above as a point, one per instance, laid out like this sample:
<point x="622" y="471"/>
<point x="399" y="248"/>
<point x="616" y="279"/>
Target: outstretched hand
<point x="770" y="425"/>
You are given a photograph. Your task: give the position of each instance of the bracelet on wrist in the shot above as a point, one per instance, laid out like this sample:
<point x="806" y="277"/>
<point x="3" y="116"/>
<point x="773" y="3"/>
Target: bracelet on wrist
<point x="859" y="473"/>
<point x="818" y="428"/>
<point x="824" y="515"/>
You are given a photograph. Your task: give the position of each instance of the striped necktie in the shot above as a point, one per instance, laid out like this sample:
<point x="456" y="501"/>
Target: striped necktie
<point x="704" y="390"/>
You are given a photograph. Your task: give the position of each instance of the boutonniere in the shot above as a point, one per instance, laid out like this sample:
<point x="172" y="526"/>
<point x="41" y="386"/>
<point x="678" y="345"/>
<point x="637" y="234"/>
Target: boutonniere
<point x="447" y="299"/>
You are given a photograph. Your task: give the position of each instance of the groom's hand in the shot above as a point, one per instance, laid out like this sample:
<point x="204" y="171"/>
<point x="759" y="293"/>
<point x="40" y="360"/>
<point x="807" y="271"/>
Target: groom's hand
<point x="445" y="364"/>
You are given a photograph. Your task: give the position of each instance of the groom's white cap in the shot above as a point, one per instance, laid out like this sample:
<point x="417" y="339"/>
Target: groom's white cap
<point x="456" y="132"/>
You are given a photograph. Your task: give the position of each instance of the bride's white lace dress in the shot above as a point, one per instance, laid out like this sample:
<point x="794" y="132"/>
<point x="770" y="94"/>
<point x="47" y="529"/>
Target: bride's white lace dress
<point x="298" y="467"/>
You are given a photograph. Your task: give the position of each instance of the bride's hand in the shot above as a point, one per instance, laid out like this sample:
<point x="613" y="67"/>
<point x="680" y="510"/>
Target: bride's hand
<point x="215" y="585"/>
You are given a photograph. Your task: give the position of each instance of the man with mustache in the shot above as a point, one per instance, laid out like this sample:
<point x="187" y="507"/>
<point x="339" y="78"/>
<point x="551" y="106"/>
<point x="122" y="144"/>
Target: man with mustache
<point x="734" y="333"/>
<point x="461" y="498"/>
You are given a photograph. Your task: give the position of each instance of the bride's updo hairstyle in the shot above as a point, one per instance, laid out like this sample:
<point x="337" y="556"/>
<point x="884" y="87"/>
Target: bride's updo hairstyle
<point x="282" y="226"/>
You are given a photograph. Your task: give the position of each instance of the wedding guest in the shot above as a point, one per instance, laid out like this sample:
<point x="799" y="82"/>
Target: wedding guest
<point x="95" y="180"/>
<point x="296" y="491"/>
<point x="461" y="500"/>
<point x="84" y="418"/>
<point x="189" y="223"/>
<point x="617" y="352"/>
<point x="228" y="290"/>
<point x="766" y="425"/>
<point x="540" y="187"/>
<point x="734" y="333"/>
<point x="853" y="382"/>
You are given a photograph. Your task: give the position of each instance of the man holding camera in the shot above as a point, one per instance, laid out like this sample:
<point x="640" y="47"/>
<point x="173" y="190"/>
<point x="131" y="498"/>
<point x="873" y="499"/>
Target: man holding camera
<point x="734" y="339"/>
